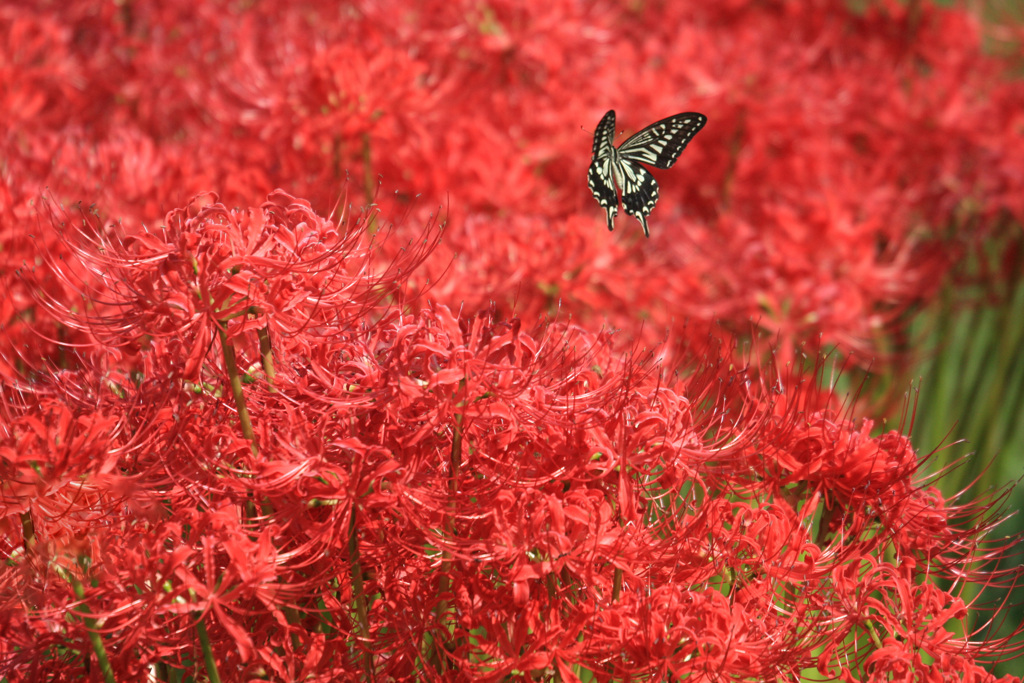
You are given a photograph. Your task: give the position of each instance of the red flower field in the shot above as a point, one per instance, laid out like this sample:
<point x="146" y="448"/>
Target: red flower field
<point x="318" y="362"/>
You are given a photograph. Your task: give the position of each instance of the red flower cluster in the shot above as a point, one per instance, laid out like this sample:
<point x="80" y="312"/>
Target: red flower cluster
<point x="264" y="461"/>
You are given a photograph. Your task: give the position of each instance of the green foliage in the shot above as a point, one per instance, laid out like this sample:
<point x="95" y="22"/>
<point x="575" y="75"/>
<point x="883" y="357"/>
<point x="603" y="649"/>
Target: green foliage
<point x="969" y="370"/>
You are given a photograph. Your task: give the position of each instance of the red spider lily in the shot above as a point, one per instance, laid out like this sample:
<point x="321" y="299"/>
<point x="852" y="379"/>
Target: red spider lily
<point x="279" y="268"/>
<point x="449" y="497"/>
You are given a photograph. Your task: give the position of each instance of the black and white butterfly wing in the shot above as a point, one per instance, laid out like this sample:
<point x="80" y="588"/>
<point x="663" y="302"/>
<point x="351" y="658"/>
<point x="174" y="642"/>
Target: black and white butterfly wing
<point x="601" y="174"/>
<point x="639" y="191"/>
<point x="659" y="145"/>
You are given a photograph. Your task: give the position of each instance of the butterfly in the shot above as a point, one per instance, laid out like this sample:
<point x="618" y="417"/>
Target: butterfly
<point x="659" y="145"/>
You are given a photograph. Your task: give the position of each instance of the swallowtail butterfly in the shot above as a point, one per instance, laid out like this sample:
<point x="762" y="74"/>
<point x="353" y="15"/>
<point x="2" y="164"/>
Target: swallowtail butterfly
<point x="659" y="145"/>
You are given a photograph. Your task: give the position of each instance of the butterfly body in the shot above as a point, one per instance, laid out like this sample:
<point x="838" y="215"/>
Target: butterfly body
<point x="659" y="145"/>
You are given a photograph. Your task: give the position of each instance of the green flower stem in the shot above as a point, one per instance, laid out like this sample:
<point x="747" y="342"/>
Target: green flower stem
<point x="208" y="658"/>
<point x="92" y="626"/>
<point x="266" y="354"/>
<point x="358" y="591"/>
<point x="231" y="364"/>
<point x="28" y="531"/>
